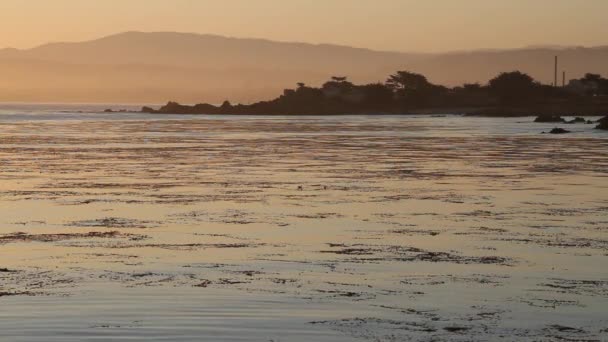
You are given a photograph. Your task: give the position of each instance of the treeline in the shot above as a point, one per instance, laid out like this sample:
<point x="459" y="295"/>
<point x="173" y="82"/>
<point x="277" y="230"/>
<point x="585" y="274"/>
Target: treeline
<point x="510" y="93"/>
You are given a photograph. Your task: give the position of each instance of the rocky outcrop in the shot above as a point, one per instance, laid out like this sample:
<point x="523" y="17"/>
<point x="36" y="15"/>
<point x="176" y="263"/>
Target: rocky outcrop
<point x="549" y="118"/>
<point x="603" y="123"/>
<point x="559" y="131"/>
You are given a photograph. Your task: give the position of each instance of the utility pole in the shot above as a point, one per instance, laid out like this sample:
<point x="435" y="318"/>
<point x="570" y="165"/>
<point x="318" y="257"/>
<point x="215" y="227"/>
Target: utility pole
<point x="555" y="76"/>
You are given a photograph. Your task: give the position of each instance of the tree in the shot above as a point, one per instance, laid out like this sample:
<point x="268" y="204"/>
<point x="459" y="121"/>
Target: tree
<point x="514" y="87"/>
<point x="226" y="107"/>
<point x="337" y="86"/>
<point x="377" y="96"/>
<point x="407" y="81"/>
<point x="592" y="78"/>
<point x="412" y="89"/>
<point x="595" y="84"/>
<point x="301" y="85"/>
<point x="472" y="86"/>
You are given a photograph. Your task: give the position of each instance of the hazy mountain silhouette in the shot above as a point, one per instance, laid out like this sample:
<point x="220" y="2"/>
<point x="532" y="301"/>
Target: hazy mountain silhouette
<point x="154" y="67"/>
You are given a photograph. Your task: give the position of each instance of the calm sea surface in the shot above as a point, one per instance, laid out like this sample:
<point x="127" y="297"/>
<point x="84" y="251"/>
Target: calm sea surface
<point x="128" y="226"/>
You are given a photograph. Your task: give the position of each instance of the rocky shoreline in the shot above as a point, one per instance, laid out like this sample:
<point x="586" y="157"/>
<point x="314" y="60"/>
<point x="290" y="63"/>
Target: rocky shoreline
<point x="227" y="109"/>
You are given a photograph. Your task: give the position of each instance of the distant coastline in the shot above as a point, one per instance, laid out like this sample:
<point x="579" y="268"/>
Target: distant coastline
<point x="510" y="94"/>
<point x="471" y="112"/>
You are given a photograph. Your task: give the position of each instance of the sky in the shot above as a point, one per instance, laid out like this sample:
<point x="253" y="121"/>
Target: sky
<point x="398" y="25"/>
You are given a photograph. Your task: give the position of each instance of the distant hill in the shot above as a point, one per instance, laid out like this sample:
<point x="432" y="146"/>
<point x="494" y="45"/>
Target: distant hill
<point x="155" y="67"/>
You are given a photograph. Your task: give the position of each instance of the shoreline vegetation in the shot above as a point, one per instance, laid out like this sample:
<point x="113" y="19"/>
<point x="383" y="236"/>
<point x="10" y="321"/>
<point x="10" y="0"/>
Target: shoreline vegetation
<point x="509" y="94"/>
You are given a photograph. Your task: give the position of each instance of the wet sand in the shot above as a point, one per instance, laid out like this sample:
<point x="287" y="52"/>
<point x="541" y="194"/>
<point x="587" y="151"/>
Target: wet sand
<point x="297" y="229"/>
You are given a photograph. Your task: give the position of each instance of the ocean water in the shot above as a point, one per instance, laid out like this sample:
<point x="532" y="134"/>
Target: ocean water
<point x="128" y="226"/>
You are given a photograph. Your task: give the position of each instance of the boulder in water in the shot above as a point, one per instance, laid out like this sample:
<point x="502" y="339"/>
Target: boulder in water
<point x="603" y="123"/>
<point x="559" y="131"/>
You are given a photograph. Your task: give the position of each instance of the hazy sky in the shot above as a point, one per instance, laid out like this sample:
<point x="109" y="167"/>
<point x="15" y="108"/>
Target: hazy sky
<point x="404" y="25"/>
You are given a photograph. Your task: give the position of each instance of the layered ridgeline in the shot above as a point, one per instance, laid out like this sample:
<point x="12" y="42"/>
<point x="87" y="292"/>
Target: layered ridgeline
<point x="508" y="94"/>
<point x="153" y="67"/>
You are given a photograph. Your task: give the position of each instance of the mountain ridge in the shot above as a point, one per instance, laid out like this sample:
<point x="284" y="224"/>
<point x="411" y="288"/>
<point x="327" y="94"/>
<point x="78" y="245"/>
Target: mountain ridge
<point x="250" y="69"/>
<point x="136" y="34"/>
